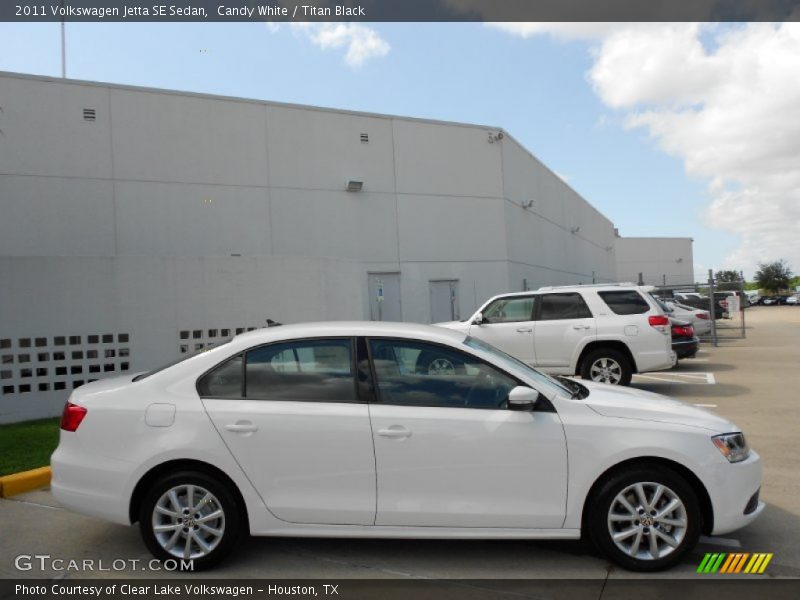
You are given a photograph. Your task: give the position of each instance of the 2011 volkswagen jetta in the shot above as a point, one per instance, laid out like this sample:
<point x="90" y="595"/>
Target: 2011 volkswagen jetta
<point x="396" y="430"/>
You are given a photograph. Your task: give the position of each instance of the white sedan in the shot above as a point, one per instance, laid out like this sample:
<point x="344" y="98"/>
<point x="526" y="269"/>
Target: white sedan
<point x="699" y="318"/>
<point x="396" y="431"/>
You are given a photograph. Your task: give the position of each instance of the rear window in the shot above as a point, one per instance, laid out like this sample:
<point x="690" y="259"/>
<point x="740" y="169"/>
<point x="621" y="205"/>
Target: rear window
<point x="625" y="302"/>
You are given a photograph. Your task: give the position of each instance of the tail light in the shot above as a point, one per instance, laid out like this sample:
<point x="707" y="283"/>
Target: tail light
<point x="72" y="416"/>
<point x="659" y="322"/>
<point x="683" y="330"/>
<point x="723" y="303"/>
<point x="702" y="316"/>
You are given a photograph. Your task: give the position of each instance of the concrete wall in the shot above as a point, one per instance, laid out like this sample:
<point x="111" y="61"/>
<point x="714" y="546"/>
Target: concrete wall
<point x="662" y="261"/>
<point x="176" y="212"/>
<point x="149" y="301"/>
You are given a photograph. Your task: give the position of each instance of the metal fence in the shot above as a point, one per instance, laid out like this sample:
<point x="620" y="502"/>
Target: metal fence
<point x="728" y="320"/>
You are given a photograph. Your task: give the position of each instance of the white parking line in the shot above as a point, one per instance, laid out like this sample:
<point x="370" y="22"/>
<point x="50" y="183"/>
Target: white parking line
<point x="706" y="405"/>
<point x="682" y="378"/>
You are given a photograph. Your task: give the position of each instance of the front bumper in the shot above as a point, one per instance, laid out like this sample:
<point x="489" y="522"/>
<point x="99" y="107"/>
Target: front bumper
<point x="731" y="489"/>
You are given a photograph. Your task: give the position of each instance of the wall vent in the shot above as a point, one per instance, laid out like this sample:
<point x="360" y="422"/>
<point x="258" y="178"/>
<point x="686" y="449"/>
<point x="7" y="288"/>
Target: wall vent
<point x="89" y="114"/>
<point x="365" y="138"/>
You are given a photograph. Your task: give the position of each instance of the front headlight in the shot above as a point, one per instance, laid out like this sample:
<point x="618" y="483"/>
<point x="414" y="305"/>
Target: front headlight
<point x="732" y="445"/>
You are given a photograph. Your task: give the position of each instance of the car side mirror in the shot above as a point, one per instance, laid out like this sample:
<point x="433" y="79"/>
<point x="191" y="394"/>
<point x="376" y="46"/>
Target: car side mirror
<point x="478" y="320"/>
<point x="522" y="398"/>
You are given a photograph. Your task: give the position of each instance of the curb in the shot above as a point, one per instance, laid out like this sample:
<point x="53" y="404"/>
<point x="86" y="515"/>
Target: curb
<point x="19" y="483"/>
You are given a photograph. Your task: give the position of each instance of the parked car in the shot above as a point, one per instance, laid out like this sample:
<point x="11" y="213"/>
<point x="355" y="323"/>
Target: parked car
<point x="776" y="299"/>
<point x="346" y="430"/>
<point x="793" y="299"/>
<point x="699" y="318"/>
<point x="684" y="342"/>
<point x="604" y="333"/>
<point x="703" y="303"/>
<point x="753" y="297"/>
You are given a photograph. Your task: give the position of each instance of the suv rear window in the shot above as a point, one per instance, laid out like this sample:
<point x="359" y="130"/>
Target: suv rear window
<point x="627" y="302"/>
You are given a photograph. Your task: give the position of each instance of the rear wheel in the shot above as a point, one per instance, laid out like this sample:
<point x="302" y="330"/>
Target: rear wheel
<point x="646" y="519"/>
<point x="431" y="363"/>
<point x="190" y="515"/>
<point x="607" y="365"/>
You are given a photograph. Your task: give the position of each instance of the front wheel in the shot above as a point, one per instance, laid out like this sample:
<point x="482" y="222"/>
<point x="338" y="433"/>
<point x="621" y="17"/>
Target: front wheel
<point x="646" y="519"/>
<point x="606" y="365"/>
<point x="190" y="516"/>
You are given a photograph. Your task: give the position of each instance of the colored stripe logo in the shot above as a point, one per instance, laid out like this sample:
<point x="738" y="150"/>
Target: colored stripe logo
<point x="735" y="562"/>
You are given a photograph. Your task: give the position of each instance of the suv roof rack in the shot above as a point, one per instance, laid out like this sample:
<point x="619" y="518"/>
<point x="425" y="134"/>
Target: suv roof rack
<point x="588" y="285"/>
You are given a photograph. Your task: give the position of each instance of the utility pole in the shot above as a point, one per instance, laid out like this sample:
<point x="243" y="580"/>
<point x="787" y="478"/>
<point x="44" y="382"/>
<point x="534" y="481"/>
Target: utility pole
<point x="63" y="42"/>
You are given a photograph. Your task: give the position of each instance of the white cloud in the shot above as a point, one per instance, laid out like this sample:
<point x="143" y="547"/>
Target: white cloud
<point x="564" y="31"/>
<point x="724" y="100"/>
<point x="363" y="43"/>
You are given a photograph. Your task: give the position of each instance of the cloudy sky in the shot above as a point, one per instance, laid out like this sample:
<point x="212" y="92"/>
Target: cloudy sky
<point x="668" y="129"/>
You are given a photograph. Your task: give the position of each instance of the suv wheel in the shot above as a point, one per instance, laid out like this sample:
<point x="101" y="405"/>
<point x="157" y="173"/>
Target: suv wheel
<point x="646" y="519"/>
<point x="190" y="515"/>
<point x="431" y="363"/>
<point x="606" y="365"/>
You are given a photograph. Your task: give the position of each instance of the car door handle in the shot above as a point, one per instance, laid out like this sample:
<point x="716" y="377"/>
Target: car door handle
<point x="242" y="427"/>
<point x="395" y="431"/>
<point x="581" y="326"/>
<point x="524" y="330"/>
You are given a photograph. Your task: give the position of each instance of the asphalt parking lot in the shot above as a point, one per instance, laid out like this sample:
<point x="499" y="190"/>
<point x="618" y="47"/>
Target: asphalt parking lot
<point x="754" y="382"/>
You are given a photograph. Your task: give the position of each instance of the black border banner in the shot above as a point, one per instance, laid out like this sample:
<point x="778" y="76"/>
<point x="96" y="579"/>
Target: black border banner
<point x="399" y="10"/>
<point x="191" y="588"/>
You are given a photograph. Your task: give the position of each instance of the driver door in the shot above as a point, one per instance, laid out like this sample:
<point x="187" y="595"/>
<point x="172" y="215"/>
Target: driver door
<point x="508" y="324"/>
<point x="449" y="452"/>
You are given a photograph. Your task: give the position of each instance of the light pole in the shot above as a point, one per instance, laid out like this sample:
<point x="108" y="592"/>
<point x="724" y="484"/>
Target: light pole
<point x="63" y="42"/>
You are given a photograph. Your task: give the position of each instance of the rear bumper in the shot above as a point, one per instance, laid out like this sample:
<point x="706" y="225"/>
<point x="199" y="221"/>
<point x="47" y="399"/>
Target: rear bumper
<point x="686" y="348"/>
<point x="655" y="361"/>
<point x="97" y="488"/>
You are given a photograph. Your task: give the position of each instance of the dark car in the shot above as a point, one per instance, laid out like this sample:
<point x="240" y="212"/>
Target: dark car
<point x="684" y="342"/>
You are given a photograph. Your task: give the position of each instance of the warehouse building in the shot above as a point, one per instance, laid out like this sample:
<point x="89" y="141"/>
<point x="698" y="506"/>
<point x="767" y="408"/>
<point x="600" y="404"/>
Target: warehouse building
<point x="140" y="224"/>
<point x="662" y="261"/>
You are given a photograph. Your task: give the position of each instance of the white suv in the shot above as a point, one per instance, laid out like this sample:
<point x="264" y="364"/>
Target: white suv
<point x="605" y="333"/>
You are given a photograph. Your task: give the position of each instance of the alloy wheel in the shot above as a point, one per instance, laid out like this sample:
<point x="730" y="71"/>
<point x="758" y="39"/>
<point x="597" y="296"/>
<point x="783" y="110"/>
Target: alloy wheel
<point x="188" y="521"/>
<point x="441" y="366"/>
<point x="606" y="370"/>
<point x="647" y="521"/>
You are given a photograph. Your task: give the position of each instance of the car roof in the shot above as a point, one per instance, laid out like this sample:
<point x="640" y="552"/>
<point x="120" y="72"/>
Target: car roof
<point x="569" y="288"/>
<point x="349" y="329"/>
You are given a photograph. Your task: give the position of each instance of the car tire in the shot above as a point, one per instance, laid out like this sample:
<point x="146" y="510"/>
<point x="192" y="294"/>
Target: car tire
<point x="206" y="534"/>
<point x="639" y="536"/>
<point x="607" y="365"/>
<point x="431" y="363"/>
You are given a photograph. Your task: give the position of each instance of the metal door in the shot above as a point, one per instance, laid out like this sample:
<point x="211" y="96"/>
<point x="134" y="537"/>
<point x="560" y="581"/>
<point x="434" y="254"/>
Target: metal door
<point x="444" y="300"/>
<point x="384" y="297"/>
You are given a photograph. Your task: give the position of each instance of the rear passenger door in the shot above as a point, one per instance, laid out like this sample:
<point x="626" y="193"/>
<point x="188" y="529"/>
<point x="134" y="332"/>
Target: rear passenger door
<point x="563" y="323"/>
<point x="291" y="416"/>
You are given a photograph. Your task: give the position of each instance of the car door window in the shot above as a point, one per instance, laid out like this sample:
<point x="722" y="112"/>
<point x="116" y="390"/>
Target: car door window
<point x="313" y="370"/>
<point x="509" y="310"/>
<point x="413" y="373"/>
<point x="553" y="307"/>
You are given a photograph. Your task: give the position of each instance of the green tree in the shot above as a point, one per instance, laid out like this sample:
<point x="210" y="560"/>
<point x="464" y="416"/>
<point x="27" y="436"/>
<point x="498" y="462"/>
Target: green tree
<point x="773" y="277"/>
<point x="728" y="280"/>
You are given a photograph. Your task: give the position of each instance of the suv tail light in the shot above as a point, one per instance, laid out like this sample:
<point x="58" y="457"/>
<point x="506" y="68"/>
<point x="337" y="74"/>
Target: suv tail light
<point x="72" y="416"/>
<point x="659" y="322"/>
<point x="683" y="330"/>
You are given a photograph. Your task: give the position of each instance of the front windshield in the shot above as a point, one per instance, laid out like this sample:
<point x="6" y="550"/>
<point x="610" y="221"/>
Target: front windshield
<point x="518" y="365"/>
